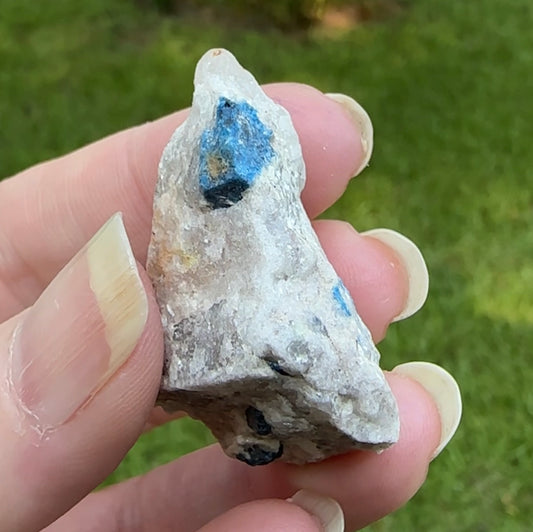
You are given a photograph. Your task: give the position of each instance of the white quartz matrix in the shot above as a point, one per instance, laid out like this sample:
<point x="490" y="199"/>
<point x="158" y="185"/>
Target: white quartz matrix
<point x="262" y="340"/>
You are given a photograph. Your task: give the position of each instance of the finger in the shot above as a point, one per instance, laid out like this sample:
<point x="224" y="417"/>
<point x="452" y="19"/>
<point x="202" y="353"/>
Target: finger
<point x="336" y="138"/>
<point x="79" y="374"/>
<point x="49" y="211"/>
<point x="306" y="512"/>
<point x="367" y="485"/>
<point x="159" y="417"/>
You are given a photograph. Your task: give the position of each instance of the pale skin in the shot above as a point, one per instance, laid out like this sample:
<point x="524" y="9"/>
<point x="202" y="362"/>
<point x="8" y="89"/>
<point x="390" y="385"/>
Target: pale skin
<point x="47" y="213"/>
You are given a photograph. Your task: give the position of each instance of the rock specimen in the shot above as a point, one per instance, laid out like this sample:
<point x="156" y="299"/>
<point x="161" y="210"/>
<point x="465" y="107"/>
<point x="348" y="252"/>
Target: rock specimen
<point x="263" y="342"/>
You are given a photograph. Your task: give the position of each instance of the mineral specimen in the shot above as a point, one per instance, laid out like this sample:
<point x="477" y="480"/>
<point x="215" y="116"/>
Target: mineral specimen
<point x="262" y="340"/>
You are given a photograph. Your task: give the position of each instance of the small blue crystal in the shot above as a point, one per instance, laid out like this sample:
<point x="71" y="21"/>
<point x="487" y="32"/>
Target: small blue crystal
<point x="233" y="153"/>
<point x="343" y="299"/>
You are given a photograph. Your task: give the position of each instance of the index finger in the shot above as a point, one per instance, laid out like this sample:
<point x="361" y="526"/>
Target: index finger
<point x="47" y="212"/>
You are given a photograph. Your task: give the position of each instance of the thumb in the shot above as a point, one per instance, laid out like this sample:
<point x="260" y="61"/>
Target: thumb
<point x="79" y="373"/>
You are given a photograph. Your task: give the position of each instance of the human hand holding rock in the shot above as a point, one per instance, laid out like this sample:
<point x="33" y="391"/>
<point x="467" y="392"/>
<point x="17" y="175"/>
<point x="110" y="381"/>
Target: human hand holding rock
<point x="82" y="347"/>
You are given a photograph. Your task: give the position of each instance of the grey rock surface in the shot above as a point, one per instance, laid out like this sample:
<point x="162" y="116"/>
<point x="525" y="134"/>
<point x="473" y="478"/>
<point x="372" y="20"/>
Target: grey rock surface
<point x="262" y="340"/>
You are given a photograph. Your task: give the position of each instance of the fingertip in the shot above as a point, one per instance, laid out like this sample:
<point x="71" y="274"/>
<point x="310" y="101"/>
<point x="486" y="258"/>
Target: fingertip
<point x="327" y="510"/>
<point x="414" y="265"/>
<point x="132" y="393"/>
<point x="420" y="426"/>
<point x="268" y="515"/>
<point x="363" y="123"/>
<point x="331" y="142"/>
<point x="444" y="392"/>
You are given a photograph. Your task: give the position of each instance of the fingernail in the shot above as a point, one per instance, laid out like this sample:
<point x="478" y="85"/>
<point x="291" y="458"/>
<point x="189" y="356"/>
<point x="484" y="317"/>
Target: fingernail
<point x="415" y="266"/>
<point x="327" y="510"/>
<point x="363" y="123"/>
<point x="445" y="392"/>
<point x="80" y="331"/>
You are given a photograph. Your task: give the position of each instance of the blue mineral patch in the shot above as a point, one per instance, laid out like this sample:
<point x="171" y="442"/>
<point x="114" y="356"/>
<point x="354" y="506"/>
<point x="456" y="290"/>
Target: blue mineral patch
<point x="233" y="153"/>
<point x="343" y="299"/>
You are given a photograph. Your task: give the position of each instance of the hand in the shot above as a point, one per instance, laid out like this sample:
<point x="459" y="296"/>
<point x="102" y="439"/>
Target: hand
<point x="82" y="348"/>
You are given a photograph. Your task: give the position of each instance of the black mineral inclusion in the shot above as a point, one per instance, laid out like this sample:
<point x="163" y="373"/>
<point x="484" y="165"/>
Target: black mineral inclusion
<point x="255" y="455"/>
<point x="257" y="422"/>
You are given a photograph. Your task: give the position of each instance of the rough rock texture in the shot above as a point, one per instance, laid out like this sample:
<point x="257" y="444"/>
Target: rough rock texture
<point x="263" y="342"/>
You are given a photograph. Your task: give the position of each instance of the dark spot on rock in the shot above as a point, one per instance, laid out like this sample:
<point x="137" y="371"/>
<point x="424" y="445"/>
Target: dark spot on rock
<point x="318" y="325"/>
<point x="165" y="367"/>
<point x="255" y="455"/>
<point x="186" y="327"/>
<point x="227" y="194"/>
<point x="176" y="331"/>
<point x="257" y="422"/>
<point x="274" y="365"/>
<point x="273" y="361"/>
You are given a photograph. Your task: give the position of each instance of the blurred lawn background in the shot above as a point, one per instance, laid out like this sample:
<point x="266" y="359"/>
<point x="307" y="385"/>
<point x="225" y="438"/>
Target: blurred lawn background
<point x="449" y="86"/>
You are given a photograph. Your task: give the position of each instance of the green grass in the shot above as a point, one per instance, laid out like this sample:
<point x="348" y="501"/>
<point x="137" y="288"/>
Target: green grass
<point x="449" y="86"/>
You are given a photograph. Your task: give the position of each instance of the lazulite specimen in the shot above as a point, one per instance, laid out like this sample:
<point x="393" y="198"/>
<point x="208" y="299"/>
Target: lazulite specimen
<point x="262" y="340"/>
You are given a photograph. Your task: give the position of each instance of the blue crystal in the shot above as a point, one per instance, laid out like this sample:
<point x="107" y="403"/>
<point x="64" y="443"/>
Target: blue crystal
<point x="343" y="299"/>
<point x="233" y="153"/>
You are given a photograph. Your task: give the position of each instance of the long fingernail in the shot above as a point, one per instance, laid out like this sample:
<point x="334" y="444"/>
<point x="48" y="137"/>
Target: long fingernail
<point x="80" y="331"/>
<point x="327" y="510"/>
<point x="415" y="266"/>
<point x="363" y="123"/>
<point x="445" y="392"/>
